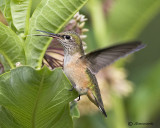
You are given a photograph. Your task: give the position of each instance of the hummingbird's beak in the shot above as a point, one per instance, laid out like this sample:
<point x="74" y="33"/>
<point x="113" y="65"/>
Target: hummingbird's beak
<point x="48" y="34"/>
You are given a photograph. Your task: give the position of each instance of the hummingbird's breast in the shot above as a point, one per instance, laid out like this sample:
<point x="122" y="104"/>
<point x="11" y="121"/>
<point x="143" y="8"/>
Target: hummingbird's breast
<point x="75" y="70"/>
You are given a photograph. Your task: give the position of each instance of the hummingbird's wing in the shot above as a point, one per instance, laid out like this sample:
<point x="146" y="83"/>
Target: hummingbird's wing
<point x="94" y="93"/>
<point x="103" y="57"/>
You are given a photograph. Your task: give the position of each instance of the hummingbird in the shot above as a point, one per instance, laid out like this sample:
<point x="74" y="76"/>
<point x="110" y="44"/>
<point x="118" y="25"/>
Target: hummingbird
<point x="81" y="68"/>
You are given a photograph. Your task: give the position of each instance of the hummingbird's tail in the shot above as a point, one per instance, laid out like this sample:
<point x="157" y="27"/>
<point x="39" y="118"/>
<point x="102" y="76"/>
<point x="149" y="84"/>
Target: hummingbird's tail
<point x="94" y="100"/>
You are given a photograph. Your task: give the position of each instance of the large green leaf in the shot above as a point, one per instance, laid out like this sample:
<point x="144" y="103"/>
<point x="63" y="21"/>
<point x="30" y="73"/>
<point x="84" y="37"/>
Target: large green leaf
<point x="20" y="14"/>
<point x="51" y="16"/>
<point x="11" y="46"/>
<point x="127" y="18"/>
<point x="36" y="98"/>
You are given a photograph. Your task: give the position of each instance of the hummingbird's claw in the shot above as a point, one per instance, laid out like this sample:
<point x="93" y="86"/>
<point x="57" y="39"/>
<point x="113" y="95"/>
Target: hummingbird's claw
<point x="79" y="97"/>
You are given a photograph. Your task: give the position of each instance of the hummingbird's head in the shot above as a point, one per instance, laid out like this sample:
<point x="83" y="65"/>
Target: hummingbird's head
<point x="70" y="40"/>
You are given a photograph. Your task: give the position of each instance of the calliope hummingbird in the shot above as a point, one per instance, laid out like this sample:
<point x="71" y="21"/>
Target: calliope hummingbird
<point x="81" y="68"/>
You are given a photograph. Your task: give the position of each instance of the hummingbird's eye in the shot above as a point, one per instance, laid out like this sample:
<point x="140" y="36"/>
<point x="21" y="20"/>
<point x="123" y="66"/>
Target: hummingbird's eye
<point x="68" y="37"/>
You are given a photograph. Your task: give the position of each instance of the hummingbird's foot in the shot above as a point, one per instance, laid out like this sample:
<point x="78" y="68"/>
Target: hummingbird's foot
<point x="71" y="89"/>
<point x="79" y="97"/>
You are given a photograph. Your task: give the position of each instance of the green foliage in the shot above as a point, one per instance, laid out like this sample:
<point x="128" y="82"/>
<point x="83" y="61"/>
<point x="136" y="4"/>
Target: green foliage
<point x="11" y="46"/>
<point x="98" y="22"/>
<point x="20" y="14"/>
<point x="36" y="98"/>
<point x="128" y="18"/>
<point x="6" y="10"/>
<point x="30" y="97"/>
<point x="125" y="20"/>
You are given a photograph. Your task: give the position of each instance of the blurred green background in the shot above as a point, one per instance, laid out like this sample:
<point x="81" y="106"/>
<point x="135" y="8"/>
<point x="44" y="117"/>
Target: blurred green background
<point x="117" y="21"/>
